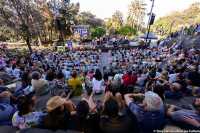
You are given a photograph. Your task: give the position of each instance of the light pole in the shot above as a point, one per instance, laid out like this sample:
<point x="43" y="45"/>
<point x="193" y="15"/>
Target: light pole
<point x="149" y="22"/>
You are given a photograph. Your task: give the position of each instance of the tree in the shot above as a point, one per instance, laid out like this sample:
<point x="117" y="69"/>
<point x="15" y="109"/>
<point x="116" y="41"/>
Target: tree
<point x="48" y="20"/>
<point x="98" y="32"/>
<point x="87" y="18"/>
<point x="65" y="15"/>
<point x="176" y="20"/>
<point x="108" y="24"/>
<point x="117" y="19"/>
<point x="21" y="16"/>
<point x="136" y="14"/>
<point x="115" y="23"/>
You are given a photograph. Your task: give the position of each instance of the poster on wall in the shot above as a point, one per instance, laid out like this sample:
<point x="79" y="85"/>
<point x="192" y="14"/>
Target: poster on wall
<point x="105" y="59"/>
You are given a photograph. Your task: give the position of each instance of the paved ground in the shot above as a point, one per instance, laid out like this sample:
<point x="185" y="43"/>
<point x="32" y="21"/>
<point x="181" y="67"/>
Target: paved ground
<point x="185" y="102"/>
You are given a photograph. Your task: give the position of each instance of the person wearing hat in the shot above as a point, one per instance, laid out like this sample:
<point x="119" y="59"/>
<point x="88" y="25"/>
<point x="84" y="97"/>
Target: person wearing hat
<point x="150" y="113"/>
<point x="59" y="111"/>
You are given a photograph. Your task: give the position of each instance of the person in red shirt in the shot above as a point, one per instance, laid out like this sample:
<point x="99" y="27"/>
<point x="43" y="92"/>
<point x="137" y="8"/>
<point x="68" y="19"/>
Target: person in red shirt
<point x="129" y="79"/>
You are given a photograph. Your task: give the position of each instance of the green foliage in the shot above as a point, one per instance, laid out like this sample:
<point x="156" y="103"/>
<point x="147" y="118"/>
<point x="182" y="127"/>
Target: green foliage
<point x="65" y="14"/>
<point x="87" y="18"/>
<point x="127" y="31"/>
<point x="177" y="20"/>
<point x="23" y="17"/>
<point x="98" y="32"/>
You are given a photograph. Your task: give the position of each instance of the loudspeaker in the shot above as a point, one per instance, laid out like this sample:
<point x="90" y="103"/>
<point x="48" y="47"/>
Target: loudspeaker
<point x="152" y="19"/>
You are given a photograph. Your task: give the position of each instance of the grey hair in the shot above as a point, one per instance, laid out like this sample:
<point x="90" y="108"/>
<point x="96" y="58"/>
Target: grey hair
<point x="153" y="101"/>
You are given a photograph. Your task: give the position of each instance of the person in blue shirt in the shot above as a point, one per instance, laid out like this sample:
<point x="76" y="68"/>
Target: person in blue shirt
<point x="187" y="119"/>
<point x="150" y="113"/>
<point x="6" y="109"/>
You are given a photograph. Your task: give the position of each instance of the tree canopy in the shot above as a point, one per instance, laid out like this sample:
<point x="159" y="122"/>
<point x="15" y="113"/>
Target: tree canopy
<point x="134" y="21"/>
<point x="23" y="17"/>
<point x="48" y="20"/>
<point x="65" y="15"/>
<point x="98" y="32"/>
<point x="127" y="31"/>
<point x="115" y="22"/>
<point x="87" y="18"/>
<point x="176" y="20"/>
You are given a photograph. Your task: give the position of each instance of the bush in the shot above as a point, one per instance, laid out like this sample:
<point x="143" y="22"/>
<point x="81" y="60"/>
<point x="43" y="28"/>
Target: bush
<point x="98" y="32"/>
<point x="127" y="31"/>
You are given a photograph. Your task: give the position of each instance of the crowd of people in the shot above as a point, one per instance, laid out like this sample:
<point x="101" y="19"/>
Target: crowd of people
<point x="72" y="91"/>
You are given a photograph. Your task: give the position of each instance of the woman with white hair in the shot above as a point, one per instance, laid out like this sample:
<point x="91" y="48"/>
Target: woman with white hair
<point x="150" y="113"/>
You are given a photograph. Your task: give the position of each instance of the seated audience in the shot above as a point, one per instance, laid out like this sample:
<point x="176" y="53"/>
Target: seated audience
<point x="75" y="95"/>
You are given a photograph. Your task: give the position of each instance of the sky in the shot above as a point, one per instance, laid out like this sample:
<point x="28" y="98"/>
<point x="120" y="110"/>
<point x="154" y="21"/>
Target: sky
<point x="105" y="8"/>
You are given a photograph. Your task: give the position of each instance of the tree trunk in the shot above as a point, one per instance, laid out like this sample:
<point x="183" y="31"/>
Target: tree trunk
<point x="51" y="35"/>
<point x="45" y="35"/>
<point x="61" y="37"/>
<point x="29" y="44"/>
<point x="39" y="41"/>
